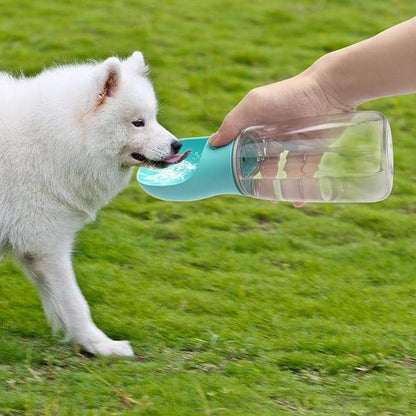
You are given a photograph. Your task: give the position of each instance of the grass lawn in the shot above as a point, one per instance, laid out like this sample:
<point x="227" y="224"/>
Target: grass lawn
<point x="234" y="306"/>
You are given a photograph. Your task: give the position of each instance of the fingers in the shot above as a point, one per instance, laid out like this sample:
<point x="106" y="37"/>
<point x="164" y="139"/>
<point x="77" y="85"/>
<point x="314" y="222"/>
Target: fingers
<point x="268" y="171"/>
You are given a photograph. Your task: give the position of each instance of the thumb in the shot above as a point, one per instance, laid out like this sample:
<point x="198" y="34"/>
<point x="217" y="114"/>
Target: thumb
<point x="225" y="134"/>
<point x="235" y="121"/>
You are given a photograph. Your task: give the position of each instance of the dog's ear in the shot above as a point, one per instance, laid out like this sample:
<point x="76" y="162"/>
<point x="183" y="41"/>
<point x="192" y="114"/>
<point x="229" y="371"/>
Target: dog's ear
<point x="136" y="64"/>
<point x="108" y="78"/>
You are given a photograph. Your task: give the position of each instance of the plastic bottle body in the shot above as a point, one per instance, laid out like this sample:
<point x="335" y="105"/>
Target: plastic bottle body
<point x="334" y="158"/>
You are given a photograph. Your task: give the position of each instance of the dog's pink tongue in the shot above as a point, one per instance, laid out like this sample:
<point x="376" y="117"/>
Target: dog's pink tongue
<point x="177" y="158"/>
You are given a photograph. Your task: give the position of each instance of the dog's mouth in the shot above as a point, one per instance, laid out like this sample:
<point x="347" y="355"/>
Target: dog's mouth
<point x="176" y="158"/>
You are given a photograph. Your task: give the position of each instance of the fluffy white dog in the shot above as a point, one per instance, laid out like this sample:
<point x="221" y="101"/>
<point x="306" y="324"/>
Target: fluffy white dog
<point x="69" y="139"/>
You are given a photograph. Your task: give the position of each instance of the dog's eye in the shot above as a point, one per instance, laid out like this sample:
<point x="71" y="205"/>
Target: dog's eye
<point x="138" y="123"/>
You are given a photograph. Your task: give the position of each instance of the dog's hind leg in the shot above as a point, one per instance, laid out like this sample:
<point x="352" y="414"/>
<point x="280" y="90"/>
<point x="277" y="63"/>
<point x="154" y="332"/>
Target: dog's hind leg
<point x="64" y="304"/>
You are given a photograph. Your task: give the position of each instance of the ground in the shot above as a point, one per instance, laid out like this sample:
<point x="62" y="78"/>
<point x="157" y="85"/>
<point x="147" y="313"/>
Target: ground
<point x="234" y="306"/>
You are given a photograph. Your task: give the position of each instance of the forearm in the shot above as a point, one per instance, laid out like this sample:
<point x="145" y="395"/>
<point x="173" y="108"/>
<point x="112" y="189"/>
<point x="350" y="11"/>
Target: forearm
<point x="381" y="66"/>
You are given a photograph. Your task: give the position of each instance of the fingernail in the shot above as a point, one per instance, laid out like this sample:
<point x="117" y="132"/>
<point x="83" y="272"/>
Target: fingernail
<point x="212" y="140"/>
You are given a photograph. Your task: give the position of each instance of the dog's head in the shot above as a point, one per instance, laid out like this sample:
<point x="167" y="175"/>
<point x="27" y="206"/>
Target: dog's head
<point x="122" y="114"/>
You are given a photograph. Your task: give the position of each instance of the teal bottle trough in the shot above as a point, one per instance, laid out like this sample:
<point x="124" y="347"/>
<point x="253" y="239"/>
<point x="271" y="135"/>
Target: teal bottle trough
<point x="205" y="172"/>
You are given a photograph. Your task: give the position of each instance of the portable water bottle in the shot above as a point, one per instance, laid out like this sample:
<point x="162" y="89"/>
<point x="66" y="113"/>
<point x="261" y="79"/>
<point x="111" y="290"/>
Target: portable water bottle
<point x="344" y="157"/>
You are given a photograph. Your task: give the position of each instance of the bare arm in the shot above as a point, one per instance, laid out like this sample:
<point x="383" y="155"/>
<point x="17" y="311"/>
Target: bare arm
<point x="380" y="66"/>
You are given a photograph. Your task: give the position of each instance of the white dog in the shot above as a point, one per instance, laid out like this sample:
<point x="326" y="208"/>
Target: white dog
<point x="69" y="139"/>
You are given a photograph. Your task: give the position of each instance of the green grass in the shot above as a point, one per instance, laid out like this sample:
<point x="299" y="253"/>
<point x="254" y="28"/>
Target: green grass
<point x="234" y="306"/>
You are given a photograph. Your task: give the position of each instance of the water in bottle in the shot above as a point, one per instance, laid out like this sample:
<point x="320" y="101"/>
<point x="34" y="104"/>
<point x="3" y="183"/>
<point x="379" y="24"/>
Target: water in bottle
<point x="332" y="158"/>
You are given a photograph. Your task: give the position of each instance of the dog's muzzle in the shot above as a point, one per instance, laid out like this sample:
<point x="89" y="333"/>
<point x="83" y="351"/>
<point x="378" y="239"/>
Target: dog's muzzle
<point x="175" y="156"/>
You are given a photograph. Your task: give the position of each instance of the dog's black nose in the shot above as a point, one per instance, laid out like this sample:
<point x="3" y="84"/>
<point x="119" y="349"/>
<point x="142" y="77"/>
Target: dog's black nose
<point x="176" y="145"/>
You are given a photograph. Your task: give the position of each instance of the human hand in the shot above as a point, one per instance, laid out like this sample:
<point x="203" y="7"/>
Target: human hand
<point x="294" y="98"/>
<point x="298" y="97"/>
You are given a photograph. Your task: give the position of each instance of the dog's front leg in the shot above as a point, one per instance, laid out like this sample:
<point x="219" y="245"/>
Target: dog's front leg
<point x="64" y="304"/>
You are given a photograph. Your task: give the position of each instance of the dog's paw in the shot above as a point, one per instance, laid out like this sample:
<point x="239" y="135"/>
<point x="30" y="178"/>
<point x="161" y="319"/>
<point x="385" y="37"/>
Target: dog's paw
<point x="110" y="347"/>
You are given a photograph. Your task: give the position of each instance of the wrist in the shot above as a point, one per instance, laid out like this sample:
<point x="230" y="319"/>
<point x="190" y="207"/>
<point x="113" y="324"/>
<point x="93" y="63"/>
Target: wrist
<point x="380" y="66"/>
<point x="328" y="74"/>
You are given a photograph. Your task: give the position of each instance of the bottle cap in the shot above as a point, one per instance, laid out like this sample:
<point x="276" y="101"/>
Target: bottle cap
<point x="205" y="172"/>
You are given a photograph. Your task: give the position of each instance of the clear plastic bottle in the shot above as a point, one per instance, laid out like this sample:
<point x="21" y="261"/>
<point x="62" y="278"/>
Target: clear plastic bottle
<point x="332" y="158"/>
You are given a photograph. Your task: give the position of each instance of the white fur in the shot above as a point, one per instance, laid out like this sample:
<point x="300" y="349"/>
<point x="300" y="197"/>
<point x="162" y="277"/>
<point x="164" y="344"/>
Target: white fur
<point x="66" y="139"/>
